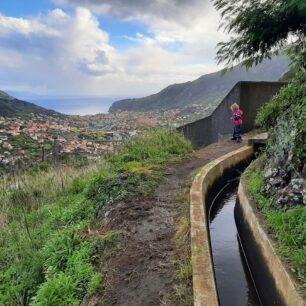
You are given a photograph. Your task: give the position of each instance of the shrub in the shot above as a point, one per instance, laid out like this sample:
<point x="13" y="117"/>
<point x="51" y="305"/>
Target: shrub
<point x="95" y="283"/>
<point x="39" y="167"/>
<point x="156" y="146"/>
<point x="78" y="185"/>
<point x="60" y="248"/>
<point x="291" y="98"/>
<point x="57" y="291"/>
<point x="110" y="187"/>
<point x="19" y="282"/>
<point x="79" y="266"/>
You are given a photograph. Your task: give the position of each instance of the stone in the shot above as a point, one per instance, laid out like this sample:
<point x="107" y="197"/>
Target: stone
<point x="106" y="214"/>
<point x="298" y="184"/>
<point x="268" y="173"/>
<point x="275" y="182"/>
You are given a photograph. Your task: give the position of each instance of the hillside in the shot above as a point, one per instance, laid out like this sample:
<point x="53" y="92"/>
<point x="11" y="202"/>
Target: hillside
<point x="12" y="107"/>
<point x="208" y="89"/>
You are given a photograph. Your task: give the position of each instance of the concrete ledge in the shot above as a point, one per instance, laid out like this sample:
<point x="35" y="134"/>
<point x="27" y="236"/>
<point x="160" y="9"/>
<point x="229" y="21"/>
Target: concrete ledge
<point x="259" y="139"/>
<point x="257" y="239"/>
<point x="204" y="287"/>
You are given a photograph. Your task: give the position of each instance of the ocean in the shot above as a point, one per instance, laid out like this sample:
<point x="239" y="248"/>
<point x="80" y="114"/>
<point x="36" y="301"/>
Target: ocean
<point x="76" y="106"/>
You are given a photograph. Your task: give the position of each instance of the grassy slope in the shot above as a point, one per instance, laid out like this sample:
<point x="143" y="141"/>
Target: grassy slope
<point x="11" y="107"/>
<point x="288" y="227"/>
<point x="47" y="256"/>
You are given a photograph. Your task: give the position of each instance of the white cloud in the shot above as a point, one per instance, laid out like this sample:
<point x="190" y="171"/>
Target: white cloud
<point x="192" y="25"/>
<point x="192" y="22"/>
<point x="54" y="49"/>
<point x="69" y="54"/>
<point x="24" y="27"/>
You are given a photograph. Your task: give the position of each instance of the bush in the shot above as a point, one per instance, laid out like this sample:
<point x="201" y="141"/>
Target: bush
<point x="57" y="291"/>
<point x="39" y="167"/>
<point x="79" y="266"/>
<point x="291" y="98"/>
<point x="107" y="188"/>
<point x="78" y="185"/>
<point x="156" y="146"/>
<point x="19" y="282"/>
<point x="60" y="248"/>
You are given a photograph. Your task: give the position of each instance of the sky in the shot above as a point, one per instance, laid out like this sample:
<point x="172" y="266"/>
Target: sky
<point x="104" y="48"/>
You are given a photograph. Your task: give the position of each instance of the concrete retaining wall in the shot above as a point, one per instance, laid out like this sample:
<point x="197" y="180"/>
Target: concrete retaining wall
<point x="249" y="95"/>
<point x="268" y="270"/>
<point x="204" y="287"/>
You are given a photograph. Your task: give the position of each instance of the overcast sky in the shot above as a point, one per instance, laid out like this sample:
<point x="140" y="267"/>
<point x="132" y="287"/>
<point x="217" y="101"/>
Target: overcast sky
<point x="104" y="47"/>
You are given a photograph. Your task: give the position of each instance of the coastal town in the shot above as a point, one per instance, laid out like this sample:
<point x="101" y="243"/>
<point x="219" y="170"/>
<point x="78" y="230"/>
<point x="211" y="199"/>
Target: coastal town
<point x="43" y="137"/>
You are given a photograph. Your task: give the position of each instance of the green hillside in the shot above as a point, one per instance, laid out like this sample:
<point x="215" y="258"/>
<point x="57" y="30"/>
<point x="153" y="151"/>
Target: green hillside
<point x="208" y="89"/>
<point x="12" y="107"/>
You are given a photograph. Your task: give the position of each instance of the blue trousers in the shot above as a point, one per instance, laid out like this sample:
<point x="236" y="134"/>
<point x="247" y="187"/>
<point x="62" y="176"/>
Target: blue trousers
<point x="237" y="133"/>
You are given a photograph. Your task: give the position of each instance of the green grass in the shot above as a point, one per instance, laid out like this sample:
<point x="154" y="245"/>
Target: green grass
<point x="288" y="227"/>
<point x="46" y="258"/>
<point x="158" y="146"/>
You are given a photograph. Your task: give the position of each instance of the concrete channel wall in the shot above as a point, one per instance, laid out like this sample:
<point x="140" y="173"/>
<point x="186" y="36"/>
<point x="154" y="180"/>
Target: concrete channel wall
<point x="249" y="95"/>
<point x="275" y="284"/>
<point x="204" y="287"/>
<point x="268" y="269"/>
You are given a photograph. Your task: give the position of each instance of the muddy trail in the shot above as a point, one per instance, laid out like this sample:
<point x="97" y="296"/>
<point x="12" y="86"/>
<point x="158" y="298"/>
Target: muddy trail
<point x="141" y="274"/>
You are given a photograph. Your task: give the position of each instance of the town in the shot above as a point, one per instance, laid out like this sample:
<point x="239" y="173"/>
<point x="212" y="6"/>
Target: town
<point x="43" y="137"/>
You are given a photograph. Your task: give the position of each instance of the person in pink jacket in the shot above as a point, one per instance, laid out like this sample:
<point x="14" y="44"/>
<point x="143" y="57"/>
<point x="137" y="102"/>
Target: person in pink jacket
<point x="237" y="119"/>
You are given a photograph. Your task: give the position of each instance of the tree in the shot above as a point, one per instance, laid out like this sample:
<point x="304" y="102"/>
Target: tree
<point x="260" y="28"/>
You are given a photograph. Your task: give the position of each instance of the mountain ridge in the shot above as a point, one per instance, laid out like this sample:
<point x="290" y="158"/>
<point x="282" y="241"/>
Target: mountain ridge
<point x="207" y="89"/>
<point x="13" y="107"/>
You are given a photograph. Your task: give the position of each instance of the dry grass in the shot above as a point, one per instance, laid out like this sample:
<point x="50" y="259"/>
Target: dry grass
<point x="44" y="186"/>
<point x="182" y="280"/>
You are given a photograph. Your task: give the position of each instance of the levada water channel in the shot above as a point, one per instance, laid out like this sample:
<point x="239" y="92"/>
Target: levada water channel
<point x="233" y="278"/>
<point x="234" y="281"/>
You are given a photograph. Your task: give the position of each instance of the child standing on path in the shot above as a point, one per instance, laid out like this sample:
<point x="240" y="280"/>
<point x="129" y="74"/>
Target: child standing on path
<point x="237" y="119"/>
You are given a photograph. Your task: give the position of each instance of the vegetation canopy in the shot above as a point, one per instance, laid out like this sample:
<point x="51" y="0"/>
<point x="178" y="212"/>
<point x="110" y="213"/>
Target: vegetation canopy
<point x="260" y="28"/>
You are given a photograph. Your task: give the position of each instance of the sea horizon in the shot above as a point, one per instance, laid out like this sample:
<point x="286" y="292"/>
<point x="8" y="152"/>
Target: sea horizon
<point x="75" y="105"/>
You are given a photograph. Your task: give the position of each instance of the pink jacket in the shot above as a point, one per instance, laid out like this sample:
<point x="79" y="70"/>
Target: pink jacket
<point x="237" y="117"/>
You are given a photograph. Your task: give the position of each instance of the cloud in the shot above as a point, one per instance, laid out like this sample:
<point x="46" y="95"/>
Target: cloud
<point x="172" y="10"/>
<point x="62" y="53"/>
<point x="24" y="27"/>
<point x="74" y="39"/>
<point x="191" y="23"/>
<point x="54" y="46"/>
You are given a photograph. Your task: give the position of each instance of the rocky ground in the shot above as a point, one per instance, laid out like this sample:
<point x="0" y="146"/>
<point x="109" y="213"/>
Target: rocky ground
<point x="141" y="274"/>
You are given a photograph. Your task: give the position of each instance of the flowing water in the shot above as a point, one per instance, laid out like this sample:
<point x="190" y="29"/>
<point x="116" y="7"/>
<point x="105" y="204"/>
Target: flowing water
<point x="233" y="279"/>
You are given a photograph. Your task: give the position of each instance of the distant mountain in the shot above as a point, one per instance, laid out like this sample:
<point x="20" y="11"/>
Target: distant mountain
<point x="208" y="89"/>
<point x="12" y="107"/>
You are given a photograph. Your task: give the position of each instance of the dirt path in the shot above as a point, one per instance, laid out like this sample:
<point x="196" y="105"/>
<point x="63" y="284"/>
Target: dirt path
<point x="141" y="275"/>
